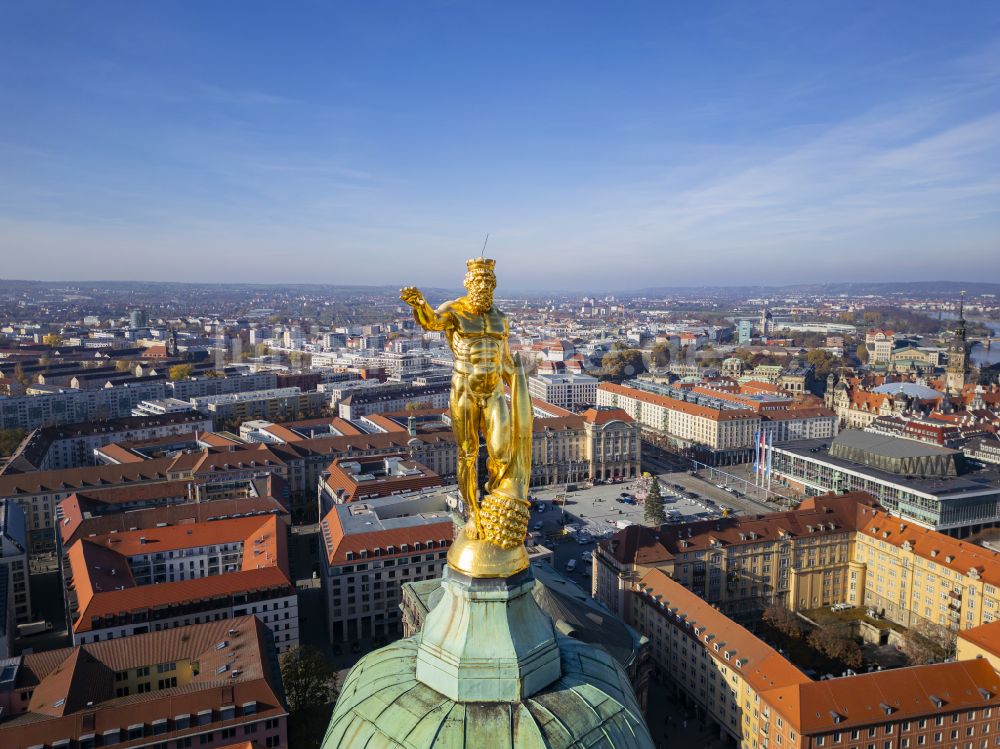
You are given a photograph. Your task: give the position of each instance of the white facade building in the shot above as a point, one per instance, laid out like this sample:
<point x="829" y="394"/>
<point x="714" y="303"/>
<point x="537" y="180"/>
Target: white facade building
<point x="570" y="391"/>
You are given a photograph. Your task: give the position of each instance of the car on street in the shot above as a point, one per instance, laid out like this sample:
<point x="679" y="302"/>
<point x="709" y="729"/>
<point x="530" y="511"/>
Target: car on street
<point x="571" y="565"/>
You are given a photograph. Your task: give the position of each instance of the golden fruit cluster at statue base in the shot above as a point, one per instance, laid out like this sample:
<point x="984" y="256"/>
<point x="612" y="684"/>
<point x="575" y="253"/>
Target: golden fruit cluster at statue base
<point x="504" y="520"/>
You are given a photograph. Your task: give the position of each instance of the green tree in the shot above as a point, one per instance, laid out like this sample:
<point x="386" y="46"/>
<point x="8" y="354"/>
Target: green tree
<point x="52" y="340"/>
<point x="660" y="355"/>
<point x="9" y="440"/>
<point x="746" y="355"/>
<point x="862" y="353"/>
<point x="300" y="360"/>
<point x="181" y="372"/>
<point x="310" y="687"/>
<point x="123" y="365"/>
<point x="822" y="360"/>
<point x="20" y="376"/>
<point x="654" y="514"/>
<point x="622" y="364"/>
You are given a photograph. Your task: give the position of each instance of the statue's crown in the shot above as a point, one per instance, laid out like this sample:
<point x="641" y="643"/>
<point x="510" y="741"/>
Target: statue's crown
<point x="481" y="263"/>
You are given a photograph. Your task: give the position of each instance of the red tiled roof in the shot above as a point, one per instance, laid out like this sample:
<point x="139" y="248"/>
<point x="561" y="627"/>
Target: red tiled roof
<point x="760" y="665"/>
<point x="379" y="486"/>
<point x="85" y="674"/>
<point x="39" y="482"/>
<point x="813" y="707"/>
<point x="948" y="552"/>
<point x="104" y="583"/>
<point x="338" y="543"/>
<point x="604" y="416"/>
<point x="74" y="525"/>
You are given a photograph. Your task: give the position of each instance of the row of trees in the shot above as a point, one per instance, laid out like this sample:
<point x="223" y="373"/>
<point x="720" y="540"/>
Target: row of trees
<point x="833" y="640"/>
<point x="922" y="643"/>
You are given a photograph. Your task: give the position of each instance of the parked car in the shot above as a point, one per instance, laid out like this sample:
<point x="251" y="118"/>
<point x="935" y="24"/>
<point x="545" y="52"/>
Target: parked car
<point x="571" y="565"/>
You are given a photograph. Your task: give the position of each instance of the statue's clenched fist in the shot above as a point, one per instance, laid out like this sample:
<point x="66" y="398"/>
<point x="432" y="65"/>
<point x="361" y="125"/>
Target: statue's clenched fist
<point x="412" y="296"/>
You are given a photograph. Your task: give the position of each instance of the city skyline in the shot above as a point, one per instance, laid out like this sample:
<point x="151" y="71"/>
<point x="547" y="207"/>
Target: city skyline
<point x="739" y="146"/>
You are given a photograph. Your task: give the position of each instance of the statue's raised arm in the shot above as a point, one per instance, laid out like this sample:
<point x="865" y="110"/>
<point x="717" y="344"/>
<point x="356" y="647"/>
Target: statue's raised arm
<point x="425" y="315"/>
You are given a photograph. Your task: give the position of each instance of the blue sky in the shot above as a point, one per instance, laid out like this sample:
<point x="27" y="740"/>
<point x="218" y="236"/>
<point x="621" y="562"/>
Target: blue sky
<point x="603" y="145"/>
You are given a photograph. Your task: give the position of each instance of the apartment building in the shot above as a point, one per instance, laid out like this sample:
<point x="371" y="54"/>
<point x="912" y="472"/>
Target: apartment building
<point x="832" y="549"/>
<point x="726" y="433"/>
<point x="38" y="492"/>
<point x="69" y="406"/>
<point x="123" y="583"/>
<point x="232" y="381"/>
<point x="372" y="547"/>
<point x="800" y="559"/>
<point x="760" y="700"/>
<point x="80" y="518"/>
<point x="73" y="445"/>
<point x="14" y="568"/>
<point x="275" y="404"/>
<point x="571" y="391"/>
<point x="799" y="424"/>
<point x="206" y="685"/>
<point x="390" y="397"/>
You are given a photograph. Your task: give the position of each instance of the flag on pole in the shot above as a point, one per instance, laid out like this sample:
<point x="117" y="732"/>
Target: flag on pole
<point x="770" y="458"/>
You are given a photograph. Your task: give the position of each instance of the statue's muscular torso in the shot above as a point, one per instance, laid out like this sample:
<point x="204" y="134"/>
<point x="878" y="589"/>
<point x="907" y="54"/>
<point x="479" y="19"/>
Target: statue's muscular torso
<point x="478" y="343"/>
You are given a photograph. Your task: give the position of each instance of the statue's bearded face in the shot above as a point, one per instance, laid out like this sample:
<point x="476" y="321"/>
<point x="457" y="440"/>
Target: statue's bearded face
<point x="480" y="285"/>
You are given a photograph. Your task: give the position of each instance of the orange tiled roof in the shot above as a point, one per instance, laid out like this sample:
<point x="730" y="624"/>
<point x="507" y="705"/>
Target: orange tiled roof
<point x="85" y="674"/>
<point x="986" y="636"/>
<point x="74" y="524"/>
<point x="896" y="694"/>
<point x="678" y="405"/>
<point x="104" y="583"/>
<point x="338" y="543"/>
<point x="761" y="666"/>
<point x="948" y="552"/>
<point x="69" y="479"/>
<point x="606" y="415"/>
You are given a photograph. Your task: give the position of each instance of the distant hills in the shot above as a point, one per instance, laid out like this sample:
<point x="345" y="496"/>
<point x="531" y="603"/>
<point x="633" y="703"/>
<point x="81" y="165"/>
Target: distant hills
<point x="854" y="288"/>
<point x="910" y="288"/>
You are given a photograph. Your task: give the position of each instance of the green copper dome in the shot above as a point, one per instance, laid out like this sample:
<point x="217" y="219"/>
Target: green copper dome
<point x="384" y="706"/>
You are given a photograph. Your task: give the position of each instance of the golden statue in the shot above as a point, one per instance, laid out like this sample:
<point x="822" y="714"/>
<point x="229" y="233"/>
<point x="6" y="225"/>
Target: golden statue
<point x="492" y="542"/>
